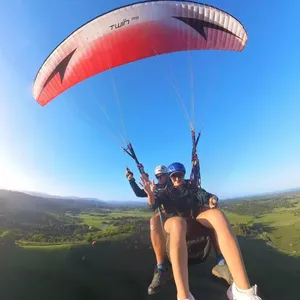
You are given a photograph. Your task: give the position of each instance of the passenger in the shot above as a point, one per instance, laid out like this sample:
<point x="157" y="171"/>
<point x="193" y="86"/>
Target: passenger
<point x="181" y="201"/>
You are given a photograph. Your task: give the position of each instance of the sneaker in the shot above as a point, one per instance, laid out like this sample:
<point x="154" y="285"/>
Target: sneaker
<point x="222" y="271"/>
<point x="234" y="294"/>
<point x="160" y="278"/>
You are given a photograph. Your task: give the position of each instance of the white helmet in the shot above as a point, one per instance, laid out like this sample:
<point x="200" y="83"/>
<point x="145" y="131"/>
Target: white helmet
<point x="161" y="169"/>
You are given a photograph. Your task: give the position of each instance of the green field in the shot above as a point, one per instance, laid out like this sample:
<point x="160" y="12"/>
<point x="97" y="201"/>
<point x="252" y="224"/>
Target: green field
<point x="285" y="231"/>
<point x="278" y="221"/>
<point x="97" y="219"/>
<point x="235" y="219"/>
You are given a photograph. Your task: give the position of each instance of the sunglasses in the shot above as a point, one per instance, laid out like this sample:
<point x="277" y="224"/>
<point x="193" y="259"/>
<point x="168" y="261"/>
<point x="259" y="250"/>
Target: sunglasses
<point x="160" y="176"/>
<point x="177" y="175"/>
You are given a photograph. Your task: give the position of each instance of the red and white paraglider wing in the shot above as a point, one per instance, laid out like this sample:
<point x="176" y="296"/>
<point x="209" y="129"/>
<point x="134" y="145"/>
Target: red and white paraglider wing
<point x="132" y="33"/>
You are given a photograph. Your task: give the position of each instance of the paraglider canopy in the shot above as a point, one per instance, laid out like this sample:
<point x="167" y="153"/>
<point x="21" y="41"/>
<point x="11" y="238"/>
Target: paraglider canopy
<point x="135" y="32"/>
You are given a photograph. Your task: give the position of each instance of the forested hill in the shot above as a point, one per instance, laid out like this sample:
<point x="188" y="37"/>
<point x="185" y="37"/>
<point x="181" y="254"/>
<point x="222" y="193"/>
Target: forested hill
<point x="259" y="205"/>
<point x="14" y="201"/>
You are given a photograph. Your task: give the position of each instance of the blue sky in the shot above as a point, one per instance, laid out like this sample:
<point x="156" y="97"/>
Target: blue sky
<point x="247" y="105"/>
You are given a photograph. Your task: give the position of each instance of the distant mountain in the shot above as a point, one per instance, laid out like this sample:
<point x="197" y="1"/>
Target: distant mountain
<point x="288" y="193"/>
<point x="139" y="203"/>
<point x="129" y="203"/>
<point x="45" y="195"/>
<point x="20" y="201"/>
<point x="50" y="196"/>
<point x="43" y="202"/>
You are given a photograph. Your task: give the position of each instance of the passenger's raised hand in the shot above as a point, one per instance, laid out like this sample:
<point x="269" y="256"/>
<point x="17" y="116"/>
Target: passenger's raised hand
<point x="148" y="186"/>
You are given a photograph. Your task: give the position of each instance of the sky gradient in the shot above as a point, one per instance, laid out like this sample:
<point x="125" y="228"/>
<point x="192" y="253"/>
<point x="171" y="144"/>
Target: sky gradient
<point x="246" y="104"/>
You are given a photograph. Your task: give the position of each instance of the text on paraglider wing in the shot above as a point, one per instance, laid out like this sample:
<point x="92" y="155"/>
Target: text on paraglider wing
<point x="123" y="23"/>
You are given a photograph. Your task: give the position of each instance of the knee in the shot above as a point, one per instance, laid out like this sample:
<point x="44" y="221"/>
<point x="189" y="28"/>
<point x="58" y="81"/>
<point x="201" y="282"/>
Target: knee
<point x="154" y="223"/>
<point x="176" y="225"/>
<point x="216" y="213"/>
<point x="218" y="216"/>
<point x="213" y="218"/>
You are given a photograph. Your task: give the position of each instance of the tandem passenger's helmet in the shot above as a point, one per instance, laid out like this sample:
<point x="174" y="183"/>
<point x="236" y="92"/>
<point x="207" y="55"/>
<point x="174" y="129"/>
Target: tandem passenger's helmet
<point x="161" y="169"/>
<point x="176" y="167"/>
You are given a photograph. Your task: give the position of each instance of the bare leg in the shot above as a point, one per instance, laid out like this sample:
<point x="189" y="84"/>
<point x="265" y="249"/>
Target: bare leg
<point x="162" y="271"/>
<point x="216" y="220"/>
<point x="215" y="243"/>
<point x="220" y="270"/>
<point x="157" y="239"/>
<point x="176" y="227"/>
